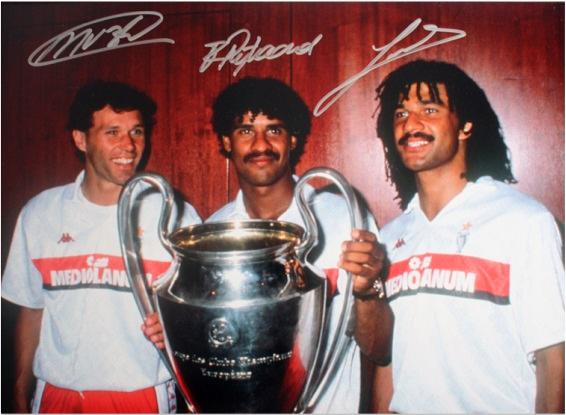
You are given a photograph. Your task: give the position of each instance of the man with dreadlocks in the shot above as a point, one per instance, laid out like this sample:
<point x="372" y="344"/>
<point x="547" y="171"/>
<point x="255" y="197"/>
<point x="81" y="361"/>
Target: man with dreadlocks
<point x="476" y="278"/>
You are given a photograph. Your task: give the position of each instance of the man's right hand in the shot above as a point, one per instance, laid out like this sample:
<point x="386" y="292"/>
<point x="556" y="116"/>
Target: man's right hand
<point x="154" y="331"/>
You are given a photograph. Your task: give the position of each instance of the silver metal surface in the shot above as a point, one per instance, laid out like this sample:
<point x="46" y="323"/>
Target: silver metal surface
<point x="243" y="312"/>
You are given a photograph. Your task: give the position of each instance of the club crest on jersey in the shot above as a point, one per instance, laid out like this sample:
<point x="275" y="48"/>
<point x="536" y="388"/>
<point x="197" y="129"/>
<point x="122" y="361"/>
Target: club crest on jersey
<point x="462" y="236"/>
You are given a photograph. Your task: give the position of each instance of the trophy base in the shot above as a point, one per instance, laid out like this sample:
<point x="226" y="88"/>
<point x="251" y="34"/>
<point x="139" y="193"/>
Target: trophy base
<point x="243" y="359"/>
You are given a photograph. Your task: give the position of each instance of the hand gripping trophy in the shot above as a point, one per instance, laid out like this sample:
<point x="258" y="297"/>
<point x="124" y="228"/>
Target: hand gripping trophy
<point x="243" y="312"/>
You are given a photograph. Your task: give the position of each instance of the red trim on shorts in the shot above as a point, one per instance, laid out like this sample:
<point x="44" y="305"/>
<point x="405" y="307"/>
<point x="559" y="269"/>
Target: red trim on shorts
<point x="60" y="400"/>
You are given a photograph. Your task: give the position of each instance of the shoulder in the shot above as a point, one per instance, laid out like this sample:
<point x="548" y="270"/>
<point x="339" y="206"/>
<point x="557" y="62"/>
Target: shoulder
<point x="506" y="200"/>
<point x="224" y="213"/>
<point x="332" y="210"/>
<point x="189" y="214"/>
<point x="47" y="200"/>
<point x="325" y="201"/>
<point x="151" y="202"/>
<point x="393" y="228"/>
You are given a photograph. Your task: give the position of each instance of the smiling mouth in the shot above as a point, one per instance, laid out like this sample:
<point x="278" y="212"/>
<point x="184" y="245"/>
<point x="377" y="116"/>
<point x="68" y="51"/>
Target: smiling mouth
<point x="123" y="161"/>
<point x="416" y="140"/>
<point x="417" y="144"/>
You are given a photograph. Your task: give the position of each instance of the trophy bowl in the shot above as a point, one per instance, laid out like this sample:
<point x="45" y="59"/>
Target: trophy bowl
<point x="243" y="312"/>
<point x="243" y="317"/>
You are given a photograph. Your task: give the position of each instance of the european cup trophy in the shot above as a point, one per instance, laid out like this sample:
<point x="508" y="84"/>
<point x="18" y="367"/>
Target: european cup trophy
<point x="243" y="312"/>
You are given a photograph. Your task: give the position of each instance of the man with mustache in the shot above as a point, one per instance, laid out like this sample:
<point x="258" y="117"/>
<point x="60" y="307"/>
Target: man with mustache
<point x="476" y="279"/>
<point x="78" y="329"/>
<point x="262" y="125"/>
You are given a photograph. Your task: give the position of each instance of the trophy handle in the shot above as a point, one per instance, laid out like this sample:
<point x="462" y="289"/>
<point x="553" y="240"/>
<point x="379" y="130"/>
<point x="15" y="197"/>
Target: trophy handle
<point x="132" y="261"/>
<point x="340" y="342"/>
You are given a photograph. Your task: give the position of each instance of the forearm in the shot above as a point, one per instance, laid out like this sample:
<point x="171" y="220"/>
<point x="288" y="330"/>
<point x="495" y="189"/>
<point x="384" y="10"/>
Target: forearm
<point x="374" y="329"/>
<point x="550" y="379"/>
<point x="27" y="331"/>
<point x="382" y="390"/>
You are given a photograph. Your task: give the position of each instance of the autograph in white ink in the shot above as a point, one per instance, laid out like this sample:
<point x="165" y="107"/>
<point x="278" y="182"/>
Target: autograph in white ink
<point x="381" y="58"/>
<point x="244" y="54"/>
<point x="73" y="44"/>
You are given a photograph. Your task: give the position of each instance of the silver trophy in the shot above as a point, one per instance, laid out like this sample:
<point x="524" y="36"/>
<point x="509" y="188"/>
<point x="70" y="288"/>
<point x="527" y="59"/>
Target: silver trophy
<point x="243" y="312"/>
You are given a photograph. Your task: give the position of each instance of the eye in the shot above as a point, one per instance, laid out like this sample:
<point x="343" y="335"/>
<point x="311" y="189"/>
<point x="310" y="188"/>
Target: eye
<point x="113" y="132"/>
<point x="400" y="114"/>
<point x="244" y="131"/>
<point x="137" y="132"/>
<point x="275" y="130"/>
<point x="430" y="110"/>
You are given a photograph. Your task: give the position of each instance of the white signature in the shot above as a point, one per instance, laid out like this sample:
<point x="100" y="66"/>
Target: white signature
<point x="244" y="54"/>
<point x="381" y="59"/>
<point x="72" y="44"/>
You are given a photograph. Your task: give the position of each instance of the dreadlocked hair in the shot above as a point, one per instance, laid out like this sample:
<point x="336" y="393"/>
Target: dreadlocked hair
<point x="486" y="151"/>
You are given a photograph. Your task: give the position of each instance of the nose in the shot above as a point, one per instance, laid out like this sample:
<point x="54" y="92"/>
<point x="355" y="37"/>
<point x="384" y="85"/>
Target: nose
<point x="127" y="142"/>
<point x="261" y="142"/>
<point x="413" y="123"/>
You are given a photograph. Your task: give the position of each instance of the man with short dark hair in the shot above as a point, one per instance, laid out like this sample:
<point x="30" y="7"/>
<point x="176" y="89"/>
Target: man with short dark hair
<point x="78" y="330"/>
<point x="476" y="279"/>
<point x="262" y="125"/>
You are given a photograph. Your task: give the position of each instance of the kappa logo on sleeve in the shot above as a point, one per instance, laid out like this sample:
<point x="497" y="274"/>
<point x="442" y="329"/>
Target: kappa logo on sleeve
<point x="91" y="271"/>
<point x="449" y="274"/>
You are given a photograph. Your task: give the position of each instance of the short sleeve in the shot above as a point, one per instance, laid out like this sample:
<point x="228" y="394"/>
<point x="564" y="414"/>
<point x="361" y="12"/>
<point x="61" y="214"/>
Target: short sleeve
<point x="540" y="280"/>
<point x="21" y="282"/>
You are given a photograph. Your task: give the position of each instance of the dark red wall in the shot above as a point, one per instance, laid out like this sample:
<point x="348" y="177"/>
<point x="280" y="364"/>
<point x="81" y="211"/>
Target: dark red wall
<point x="515" y="51"/>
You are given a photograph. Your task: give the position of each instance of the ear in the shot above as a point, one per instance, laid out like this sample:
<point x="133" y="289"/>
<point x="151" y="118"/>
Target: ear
<point x="79" y="138"/>
<point x="466" y="131"/>
<point x="226" y="144"/>
<point x="293" y="142"/>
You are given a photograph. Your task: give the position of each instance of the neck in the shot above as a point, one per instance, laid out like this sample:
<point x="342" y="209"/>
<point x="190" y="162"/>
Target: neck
<point x="100" y="193"/>
<point x="268" y="202"/>
<point x="435" y="193"/>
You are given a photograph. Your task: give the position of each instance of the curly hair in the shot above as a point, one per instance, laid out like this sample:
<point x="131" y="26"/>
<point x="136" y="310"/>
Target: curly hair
<point x="486" y="151"/>
<point x="268" y="96"/>
<point x="120" y="96"/>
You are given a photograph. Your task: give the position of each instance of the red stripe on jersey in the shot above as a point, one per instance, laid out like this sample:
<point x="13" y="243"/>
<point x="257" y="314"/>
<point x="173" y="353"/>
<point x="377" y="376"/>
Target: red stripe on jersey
<point x="450" y="274"/>
<point x="93" y="269"/>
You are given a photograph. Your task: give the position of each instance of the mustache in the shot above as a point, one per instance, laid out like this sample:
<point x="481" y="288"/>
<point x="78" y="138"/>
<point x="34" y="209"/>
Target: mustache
<point x="418" y="134"/>
<point x="267" y="153"/>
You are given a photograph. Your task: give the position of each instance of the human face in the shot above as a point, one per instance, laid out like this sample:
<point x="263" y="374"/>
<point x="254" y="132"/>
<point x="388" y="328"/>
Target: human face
<point x="113" y="147"/>
<point x="260" y="148"/>
<point x="427" y="133"/>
